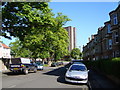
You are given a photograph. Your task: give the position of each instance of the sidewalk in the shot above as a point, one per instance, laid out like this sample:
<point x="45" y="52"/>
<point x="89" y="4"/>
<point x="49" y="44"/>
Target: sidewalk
<point x="114" y="79"/>
<point x="3" y="71"/>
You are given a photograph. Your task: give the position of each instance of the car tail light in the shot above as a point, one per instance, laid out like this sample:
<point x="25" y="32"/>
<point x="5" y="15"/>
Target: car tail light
<point x="22" y="65"/>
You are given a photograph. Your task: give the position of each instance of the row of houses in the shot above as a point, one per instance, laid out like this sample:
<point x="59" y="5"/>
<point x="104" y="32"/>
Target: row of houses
<point x="106" y="43"/>
<point x="4" y="51"/>
<point x="4" y="56"/>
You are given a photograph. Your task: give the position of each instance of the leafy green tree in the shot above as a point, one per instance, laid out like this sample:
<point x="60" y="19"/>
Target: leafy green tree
<point x="37" y="28"/>
<point x="75" y="53"/>
<point x="17" y="50"/>
<point x="60" y="42"/>
<point x="22" y="18"/>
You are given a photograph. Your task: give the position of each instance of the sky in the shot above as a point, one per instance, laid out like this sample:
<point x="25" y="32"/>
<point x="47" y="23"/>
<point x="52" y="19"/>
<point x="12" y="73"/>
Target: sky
<point x="87" y="17"/>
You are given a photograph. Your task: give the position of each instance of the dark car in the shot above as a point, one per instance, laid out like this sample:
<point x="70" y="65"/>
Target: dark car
<point x="76" y="62"/>
<point x="22" y="65"/>
<point x="60" y="63"/>
<point x="54" y="64"/>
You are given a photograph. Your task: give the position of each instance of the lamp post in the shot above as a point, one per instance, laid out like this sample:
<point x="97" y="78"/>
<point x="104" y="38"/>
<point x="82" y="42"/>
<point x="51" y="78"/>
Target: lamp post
<point x="80" y="51"/>
<point x="80" y="48"/>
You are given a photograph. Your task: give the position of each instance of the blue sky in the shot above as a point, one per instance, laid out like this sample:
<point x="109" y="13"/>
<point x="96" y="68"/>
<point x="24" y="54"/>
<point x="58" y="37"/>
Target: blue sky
<point x="87" y="17"/>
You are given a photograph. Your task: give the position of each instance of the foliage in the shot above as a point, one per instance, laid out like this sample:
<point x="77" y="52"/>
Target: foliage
<point x="108" y="67"/>
<point x="116" y="59"/>
<point x="37" y="28"/>
<point x="67" y="58"/>
<point x="75" y="53"/>
<point x="17" y="50"/>
<point x="1" y="41"/>
<point x="20" y="18"/>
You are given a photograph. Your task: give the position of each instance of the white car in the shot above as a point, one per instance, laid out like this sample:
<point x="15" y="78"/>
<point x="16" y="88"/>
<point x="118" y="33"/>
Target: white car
<point x="77" y="73"/>
<point x="39" y="65"/>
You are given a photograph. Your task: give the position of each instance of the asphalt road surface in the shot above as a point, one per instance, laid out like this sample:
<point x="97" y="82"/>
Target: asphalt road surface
<point x="53" y="77"/>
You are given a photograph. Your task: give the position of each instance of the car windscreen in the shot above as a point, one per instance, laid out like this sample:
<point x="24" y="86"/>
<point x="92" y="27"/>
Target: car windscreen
<point x="77" y="62"/>
<point x="78" y="68"/>
<point x="38" y="63"/>
<point x="15" y="61"/>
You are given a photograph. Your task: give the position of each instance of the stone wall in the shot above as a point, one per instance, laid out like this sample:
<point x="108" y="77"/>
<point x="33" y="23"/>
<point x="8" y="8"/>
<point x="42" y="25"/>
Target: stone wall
<point x="3" y="67"/>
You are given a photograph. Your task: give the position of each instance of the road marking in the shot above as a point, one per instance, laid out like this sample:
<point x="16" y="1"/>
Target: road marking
<point x="12" y="86"/>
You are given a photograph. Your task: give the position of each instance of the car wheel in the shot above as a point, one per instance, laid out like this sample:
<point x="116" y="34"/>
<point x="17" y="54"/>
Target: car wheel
<point x="25" y="71"/>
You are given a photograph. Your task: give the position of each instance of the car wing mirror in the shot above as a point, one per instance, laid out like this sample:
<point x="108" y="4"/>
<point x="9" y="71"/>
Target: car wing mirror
<point x="67" y="68"/>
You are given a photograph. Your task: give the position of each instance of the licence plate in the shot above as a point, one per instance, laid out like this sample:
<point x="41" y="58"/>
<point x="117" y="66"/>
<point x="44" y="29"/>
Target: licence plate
<point x="16" y="68"/>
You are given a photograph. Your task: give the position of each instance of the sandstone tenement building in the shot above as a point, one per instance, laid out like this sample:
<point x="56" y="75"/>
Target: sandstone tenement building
<point x="106" y="43"/>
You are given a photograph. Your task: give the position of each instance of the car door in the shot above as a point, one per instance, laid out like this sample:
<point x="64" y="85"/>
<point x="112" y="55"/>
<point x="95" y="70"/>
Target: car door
<point x="32" y="66"/>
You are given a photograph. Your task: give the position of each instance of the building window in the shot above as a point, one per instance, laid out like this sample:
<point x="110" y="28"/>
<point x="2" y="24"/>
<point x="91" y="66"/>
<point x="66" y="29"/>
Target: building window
<point x="113" y="53"/>
<point x="117" y="54"/>
<point x="116" y="37"/>
<point x="108" y="28"/>
<point x="110" y="43"/>
<point x="107" y="44"/>
<point x="115" y="21"/>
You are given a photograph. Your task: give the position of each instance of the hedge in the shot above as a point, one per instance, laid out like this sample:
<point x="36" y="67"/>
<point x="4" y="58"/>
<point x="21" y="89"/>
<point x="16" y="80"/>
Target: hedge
<point x="109" y="67"/>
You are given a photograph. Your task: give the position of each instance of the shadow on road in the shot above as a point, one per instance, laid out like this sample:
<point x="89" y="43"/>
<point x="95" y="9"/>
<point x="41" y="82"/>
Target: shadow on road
<point x="60" y="72"/>
<point x="15" y="74"/>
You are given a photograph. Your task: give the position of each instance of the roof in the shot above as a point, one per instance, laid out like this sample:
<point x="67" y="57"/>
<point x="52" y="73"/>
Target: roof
<point x="115" y="9"/>
<point x="5" y="46"/>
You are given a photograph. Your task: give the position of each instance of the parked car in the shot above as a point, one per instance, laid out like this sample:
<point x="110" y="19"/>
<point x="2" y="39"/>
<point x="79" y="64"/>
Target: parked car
<point x="59" y="63"/>
<point x="76" y="62"/>
<point x="39" y="65"/>
<point x="77" y="73"/>
<point x="22" y="65"/>
<point x="54" y="64"/>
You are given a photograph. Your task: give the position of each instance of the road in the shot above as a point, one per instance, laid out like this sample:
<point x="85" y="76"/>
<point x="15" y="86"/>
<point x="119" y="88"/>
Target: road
<point x="52" y="77"/>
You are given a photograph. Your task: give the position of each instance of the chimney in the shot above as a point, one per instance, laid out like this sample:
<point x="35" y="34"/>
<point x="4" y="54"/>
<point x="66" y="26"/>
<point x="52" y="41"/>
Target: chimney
<point x="92" y="36"/>
<point x="89" y="39"/>
<point x="100" y="28"/>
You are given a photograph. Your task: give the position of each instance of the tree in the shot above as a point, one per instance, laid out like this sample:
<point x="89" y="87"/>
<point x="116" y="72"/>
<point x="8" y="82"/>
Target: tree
<point x="75" y="53"/>
<point x="37" y="28"/>
<point x="17" y="50"/>
<point x="21" y="18"/>
<point x="60" y="41"/>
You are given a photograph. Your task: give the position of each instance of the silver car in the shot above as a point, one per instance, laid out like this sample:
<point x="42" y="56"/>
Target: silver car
<point x="77" y="73"/>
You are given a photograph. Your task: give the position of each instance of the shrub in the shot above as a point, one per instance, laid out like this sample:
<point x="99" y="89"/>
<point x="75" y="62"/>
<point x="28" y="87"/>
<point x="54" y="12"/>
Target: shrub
<point x="109" y="67"/>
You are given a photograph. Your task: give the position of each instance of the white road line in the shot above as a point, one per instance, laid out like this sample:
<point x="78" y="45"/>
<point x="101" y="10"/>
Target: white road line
<point x="12" y="86"/>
